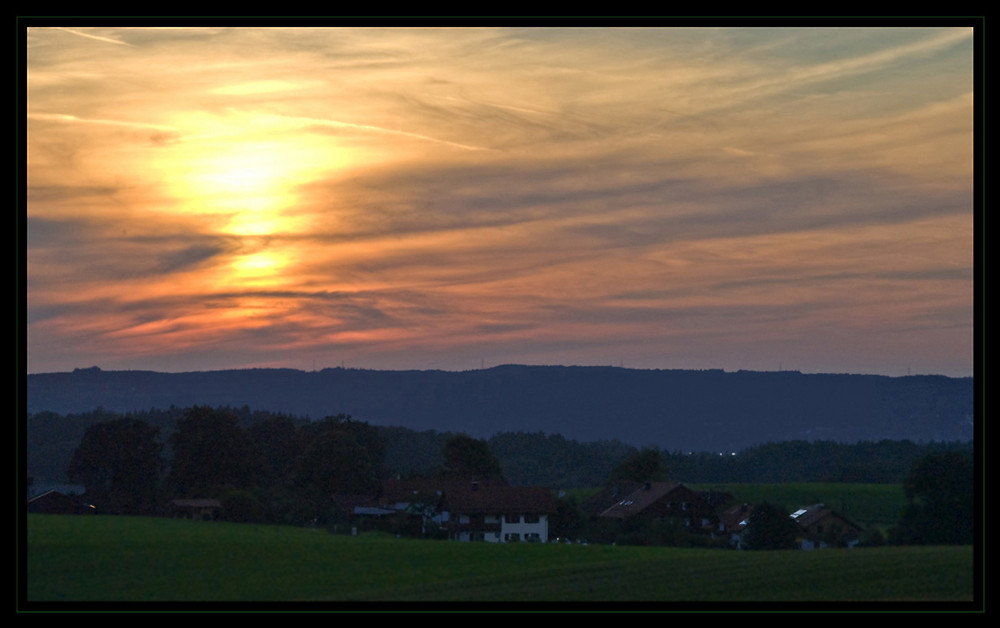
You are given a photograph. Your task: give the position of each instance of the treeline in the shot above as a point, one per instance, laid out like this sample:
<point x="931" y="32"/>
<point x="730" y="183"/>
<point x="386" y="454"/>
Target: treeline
<point x="274" y="468"/>
<point x="529" y="458"/>
<point x="882" y="462"/>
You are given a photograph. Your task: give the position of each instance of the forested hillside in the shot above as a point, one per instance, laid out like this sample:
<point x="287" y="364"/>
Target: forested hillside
<point x="712" y="411"/>
<point x="533" y="458"/>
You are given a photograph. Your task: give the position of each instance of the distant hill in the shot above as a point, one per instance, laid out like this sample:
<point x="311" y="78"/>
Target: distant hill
<point x="675" y="410"/>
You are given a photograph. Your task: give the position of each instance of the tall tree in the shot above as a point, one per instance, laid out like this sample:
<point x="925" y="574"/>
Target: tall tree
<point x="274" y="448"/>
<point x="940" y="505"/>
<point x="466" y="456"/>
<point x="119" y="463"/>
<point x="645" y="465"/>
<point x="211" y="453"/>
<point x="770" y="528"/>
<point x="339" y="455"/>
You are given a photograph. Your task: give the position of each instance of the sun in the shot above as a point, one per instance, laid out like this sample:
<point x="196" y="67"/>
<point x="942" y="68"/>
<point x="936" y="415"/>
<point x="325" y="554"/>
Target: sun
<point x="243" y="173"/>
<point x="249" y="186"/>
<point x="243" y="177"/>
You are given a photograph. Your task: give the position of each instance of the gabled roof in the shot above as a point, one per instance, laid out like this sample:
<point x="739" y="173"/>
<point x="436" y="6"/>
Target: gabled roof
<point x="810" y="515"/>
<point x="497" y="498"/>
<point x="645" y="496"/>
<point x="406" y="491"/>
<point x="608" y="497"/>
<point x="54" y="501"/>
<point x="468" y="496"/>
<point x="734" y="519"/>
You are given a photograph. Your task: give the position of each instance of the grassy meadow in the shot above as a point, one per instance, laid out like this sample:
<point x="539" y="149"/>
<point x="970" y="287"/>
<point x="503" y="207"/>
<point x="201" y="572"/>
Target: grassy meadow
<point x="136" y="559"/>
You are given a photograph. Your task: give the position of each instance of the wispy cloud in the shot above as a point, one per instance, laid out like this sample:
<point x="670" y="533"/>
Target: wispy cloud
<point x="671" y="197"/>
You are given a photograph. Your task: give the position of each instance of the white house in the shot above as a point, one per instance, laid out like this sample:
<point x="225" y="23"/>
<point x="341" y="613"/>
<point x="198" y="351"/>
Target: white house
<point x="470" y="510"/>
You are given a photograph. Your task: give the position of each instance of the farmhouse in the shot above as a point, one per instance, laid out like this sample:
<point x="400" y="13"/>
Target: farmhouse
<point x="468" y="509"/>
<point x="732" y="524"/>
<point x="652" y="499"/>
<point x="822" y="527"/>
<point x="498" y="512"/>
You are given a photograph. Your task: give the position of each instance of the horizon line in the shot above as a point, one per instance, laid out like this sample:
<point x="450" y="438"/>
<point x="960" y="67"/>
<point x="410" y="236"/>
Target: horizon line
<point x="342" y="367"/>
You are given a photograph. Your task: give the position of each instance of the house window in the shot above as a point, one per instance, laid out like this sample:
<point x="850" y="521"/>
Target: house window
<point x="512" y="518"/>
<point x="533" y="518"/>
<point x="533" y="537"/>
<point x="512" y="537"/>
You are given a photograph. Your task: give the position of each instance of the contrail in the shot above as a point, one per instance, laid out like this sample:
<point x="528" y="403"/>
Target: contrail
<point x="104" y="39"/>
<point x="65" y="117"/>
<point x="377" y="129"/>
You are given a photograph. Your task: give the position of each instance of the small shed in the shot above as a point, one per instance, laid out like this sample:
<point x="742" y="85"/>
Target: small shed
<point x="56" y="503"/>
<point x="206" y="509"/>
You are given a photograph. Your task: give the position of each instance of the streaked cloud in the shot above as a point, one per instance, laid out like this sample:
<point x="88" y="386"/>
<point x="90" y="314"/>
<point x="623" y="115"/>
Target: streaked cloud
<point x="447" y="197"/>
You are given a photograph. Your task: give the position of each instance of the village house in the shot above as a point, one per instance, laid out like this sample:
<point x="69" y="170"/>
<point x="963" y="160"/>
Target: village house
<point x="468" y="510"/>
<point x="732" y="524"/>
<point x="653" y="500"/>
<point x="822" y="527"/>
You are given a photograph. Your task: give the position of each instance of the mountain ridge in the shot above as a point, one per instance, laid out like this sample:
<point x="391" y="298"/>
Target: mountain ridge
<point x="697" y="410"/>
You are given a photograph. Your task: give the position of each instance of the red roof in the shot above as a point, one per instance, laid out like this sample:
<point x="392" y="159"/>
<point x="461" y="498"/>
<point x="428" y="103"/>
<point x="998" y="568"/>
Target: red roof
<point x="735" y="519"/>
<point x="495" y="498"/>
<point x="650" y="493"/>
<point x="811" y="515"/>
<point x="470" y="496"/>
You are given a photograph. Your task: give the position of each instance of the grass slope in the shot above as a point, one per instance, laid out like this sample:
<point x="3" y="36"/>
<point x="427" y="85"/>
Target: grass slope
<point x="121" y="559"/>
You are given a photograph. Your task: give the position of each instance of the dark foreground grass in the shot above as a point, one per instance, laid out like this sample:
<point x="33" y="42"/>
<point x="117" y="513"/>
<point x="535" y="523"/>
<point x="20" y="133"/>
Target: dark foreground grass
<point x="120" y="559"/>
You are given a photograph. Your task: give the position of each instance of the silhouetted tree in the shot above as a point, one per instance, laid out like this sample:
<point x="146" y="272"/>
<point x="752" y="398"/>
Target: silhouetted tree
<point x="940" y="505"/>
<point x="211" y="453"/>
<point x="769" y="527"/>
<point x="645" y="465"/>
<point x="242" y="506"/>
<point x="119" y="463"/>
<point x="274" y="448"/>
<point x="338" y="455"/>
<point x="467" y="456"/>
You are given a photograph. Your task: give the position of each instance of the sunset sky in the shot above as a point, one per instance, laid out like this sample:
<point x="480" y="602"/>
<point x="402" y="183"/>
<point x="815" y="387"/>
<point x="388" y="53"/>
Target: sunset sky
<point x="429" y="197"/>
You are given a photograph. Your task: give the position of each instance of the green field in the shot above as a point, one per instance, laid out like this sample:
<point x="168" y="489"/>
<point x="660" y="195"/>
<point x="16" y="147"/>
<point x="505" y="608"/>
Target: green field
<point x="126" y="559"/>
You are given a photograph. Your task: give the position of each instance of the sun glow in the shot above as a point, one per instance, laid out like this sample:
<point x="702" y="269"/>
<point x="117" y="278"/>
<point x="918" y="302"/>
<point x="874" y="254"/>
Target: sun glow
<point x="250" y="186"/>
<point x="410" y="195"/>
<point x="243" y="176"/>
<point x="244" y="172"/>
<point x="258" y="265"/>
